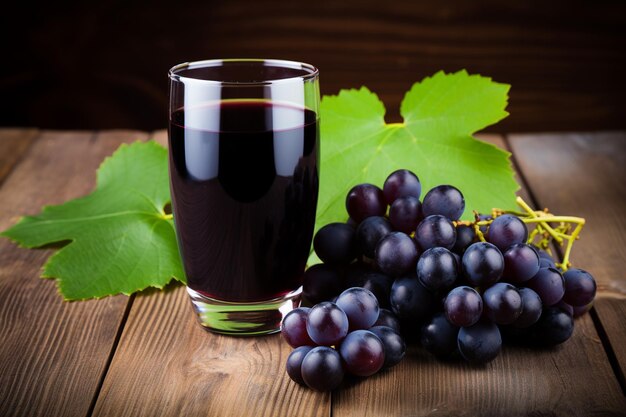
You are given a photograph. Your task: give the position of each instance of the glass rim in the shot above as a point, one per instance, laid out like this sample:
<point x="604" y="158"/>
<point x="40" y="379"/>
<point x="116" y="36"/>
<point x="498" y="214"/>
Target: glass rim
<point x="313" y="72"/>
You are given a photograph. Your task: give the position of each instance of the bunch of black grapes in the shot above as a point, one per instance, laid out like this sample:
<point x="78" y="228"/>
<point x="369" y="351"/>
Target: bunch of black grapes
<point x="430" y="279"/>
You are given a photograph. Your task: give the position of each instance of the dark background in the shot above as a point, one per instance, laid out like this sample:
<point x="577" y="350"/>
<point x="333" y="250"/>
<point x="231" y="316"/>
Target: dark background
<point x="104" y="64"/>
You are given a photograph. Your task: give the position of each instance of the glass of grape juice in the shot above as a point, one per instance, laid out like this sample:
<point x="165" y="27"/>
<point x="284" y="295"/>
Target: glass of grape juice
<point x="244" y="176"/>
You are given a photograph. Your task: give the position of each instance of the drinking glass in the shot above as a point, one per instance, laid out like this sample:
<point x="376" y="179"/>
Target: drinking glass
<point x="244" y="175"/>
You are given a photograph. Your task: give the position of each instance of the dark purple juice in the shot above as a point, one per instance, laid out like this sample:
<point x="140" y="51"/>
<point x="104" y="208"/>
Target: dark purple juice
<point x="244" y="182"/>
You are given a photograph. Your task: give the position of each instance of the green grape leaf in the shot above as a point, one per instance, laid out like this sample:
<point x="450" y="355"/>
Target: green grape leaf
<point x="121" y="239"/>
<point x="441" y="113"/>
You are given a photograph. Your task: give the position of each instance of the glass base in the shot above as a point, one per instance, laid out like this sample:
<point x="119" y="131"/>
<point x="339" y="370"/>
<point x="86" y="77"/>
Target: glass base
<point x="243" y="319"/>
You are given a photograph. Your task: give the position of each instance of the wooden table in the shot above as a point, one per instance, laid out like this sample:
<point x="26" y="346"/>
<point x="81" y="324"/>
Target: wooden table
<point x="145" y="355"/>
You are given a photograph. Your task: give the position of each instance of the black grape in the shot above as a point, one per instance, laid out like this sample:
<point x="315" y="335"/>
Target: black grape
<point x="555" y="326"/>
<point x="531" y="308"/>
<point x="483" y="264"/>
<point x="393" y="344"/>
<point x="353" y="273"/>
<point x="405" y="214"/>
<point x="388" y="319"/>
<point x="322" y="369"/>
<point x="396" y="254"/>
<point x="369" y="232"/>
<point x="321" y="283"/>
<point x="546" y="263"/>
<point x="549" y="284"/>
<point x="580" y="310"/>
<point x="437" y="269"/>
<point x="379" y="284"/>
<point x="480" y="343"/>
<point x="365" y="200"/>
<point x="565" y="307"/>
<point x="439" y="336"/>
<point x="463" y="306"/>
<point x="327" y="324"/>
<point x="465" y="236"/>
<point x="335" y="243"/>
<point x="401" y="183"/>
<point x="445" y="200"/>
<point x="410" y="300"/>
<point x="521" y="263"/>
<point x="544" y="255"/>
<point x="580" y="287"/>
<point x="502" y="303"/>
<point x="435" y="230"/>
<point x="362" y="352"/>
<point x="507" y="230"/>
<point x="293" y="328"/>
<point x="294" y="363"/>
<point x="361" y="307"/>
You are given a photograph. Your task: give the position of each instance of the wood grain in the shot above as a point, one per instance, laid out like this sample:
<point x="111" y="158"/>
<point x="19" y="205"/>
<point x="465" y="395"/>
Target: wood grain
<point x="14" y="144"/>
<point x="519" y="382"/>
<point x="53" y="353"/>
<point x="584" y="175"/>
<point x="167" y="365"/>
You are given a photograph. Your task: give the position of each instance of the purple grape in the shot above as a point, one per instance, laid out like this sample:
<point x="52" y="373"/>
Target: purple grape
<point x="435" y="231"/>
<point x="546" y="263"/>
<point x="480" y="343"/>
<point x="379" y="284"/>
<point x="531" y="308"/>
<point x="465" y="236"/>
<point x="322" y="369"/>
<point x="294" y="363"/>
<point x="405" y="214"/>
<point x="321" y="283"/>
<point x="369" y="232"/>
<point x="463" y="306"/>
<point x="555" y="326"/>
<point x="361" y="307"/>
<point x="365" y="200"/>
<point x="335" y="243"/>
<point x="393" y="344"/>
<point x="580" y="310"/>
<point x="544" y="255"/>
<point x="565" y="307"/>
<point x="396" y="254"/>
<point x="293" y="328"/>
<point x="483" y="264"/>
<point x="362" y="352"/>
<point x="439" y="336"/>
<point x="502" y="303"/>
<point x="410" y="300"/>
<point x="327" y="324"/>
<point x="401" y="183"/>
<point x="507" y="230"/>
<point x="355" y="272"/>
<point x="388" y="319"/>
<point x="437" y="269"/>
<point x="580" y="287"/>
<point x="549" y="284"/>
<point x="521" y="263"/>
<point x="445" y="200"/>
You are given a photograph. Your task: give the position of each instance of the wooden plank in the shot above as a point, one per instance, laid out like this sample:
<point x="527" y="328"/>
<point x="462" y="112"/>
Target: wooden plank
<point x="574" y="379"/>
<point x="53" y="353"/>
<point x="167" y="365"/>
<point x="584" y="175"/>
<point x="14" y="143"/>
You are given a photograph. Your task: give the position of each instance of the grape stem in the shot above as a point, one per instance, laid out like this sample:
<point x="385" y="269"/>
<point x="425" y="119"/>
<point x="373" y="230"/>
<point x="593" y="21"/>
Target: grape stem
<point x="544" y="230"/>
